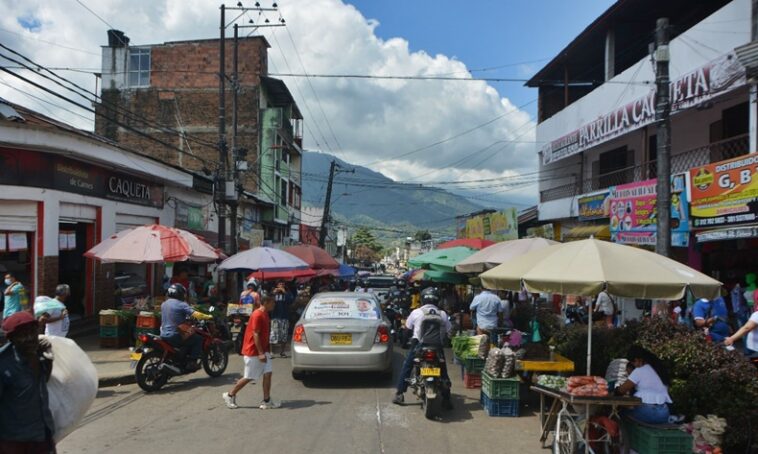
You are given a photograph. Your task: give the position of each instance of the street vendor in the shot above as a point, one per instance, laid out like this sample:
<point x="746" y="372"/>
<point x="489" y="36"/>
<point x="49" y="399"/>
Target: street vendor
<point x="712" y="315"/>
<point x="649" y="382"/>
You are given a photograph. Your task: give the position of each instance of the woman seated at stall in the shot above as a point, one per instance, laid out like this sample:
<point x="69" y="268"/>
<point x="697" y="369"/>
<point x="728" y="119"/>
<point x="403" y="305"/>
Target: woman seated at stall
<point x="649" y="381"/>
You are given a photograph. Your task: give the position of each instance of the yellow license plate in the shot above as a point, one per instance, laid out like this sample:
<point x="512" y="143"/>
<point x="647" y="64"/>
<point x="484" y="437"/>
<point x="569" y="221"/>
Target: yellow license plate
<point x="431" y="371"/>
<point x="135" y="356"/>
<point x="341" y="339"/>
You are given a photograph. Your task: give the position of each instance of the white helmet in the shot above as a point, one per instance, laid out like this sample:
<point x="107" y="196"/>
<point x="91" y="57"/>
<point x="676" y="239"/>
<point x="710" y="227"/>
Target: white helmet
<point x="253" y="283"/>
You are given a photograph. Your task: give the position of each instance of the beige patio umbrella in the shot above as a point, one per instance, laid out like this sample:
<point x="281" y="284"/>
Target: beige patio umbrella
<point x="587" y="267"/>
<point x="502" y="252"/>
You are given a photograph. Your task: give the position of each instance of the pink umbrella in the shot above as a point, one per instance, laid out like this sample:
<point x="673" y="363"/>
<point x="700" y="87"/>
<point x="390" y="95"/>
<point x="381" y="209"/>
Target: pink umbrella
<point x="153" y="244"/>
<point x="471" y="243"/>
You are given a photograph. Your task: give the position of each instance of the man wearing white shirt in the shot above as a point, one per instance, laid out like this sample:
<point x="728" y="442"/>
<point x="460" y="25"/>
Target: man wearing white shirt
<point x="56" y="321"/>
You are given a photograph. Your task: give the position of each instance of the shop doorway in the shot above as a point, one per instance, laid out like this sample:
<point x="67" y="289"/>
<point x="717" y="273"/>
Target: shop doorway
<point x="74" y="239"/>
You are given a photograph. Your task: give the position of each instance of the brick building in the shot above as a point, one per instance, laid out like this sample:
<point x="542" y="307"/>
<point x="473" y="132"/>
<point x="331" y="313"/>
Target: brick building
<point x="170" y="92"/>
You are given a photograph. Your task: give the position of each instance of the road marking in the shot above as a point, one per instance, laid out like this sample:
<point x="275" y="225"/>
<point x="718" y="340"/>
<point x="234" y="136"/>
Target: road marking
<point x="379" y="422"/>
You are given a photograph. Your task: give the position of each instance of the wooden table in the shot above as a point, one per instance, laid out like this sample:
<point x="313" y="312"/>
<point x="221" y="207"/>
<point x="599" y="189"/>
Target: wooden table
<point x="559" y="409"/>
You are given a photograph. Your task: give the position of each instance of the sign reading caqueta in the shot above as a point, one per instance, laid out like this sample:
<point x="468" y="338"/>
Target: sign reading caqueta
<point x="725" y="193"/>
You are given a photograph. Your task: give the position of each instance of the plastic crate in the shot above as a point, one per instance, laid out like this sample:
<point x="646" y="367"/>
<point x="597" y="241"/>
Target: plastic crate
<point x="114" y="342"/>
<point x="110" y="320"/>
<point x="113" y="331"/>
<point x="500" y="407"/>
<point x="658" y="440"/>
<point x="148" y="321"/>
<point x="500" y="388"/>
<point x="473" y="365"/>
<point x="472" y="381"/>
<point x="155" y="331"/>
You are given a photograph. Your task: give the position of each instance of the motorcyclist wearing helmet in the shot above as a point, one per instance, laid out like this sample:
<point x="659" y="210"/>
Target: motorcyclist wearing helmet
<point x="430" y="300"/>
<point x="250" y="295"/>
<point x="175" y="311"/>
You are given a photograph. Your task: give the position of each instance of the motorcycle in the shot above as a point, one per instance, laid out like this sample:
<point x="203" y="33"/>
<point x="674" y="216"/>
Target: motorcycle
<point x="426" y="380"/>
<point x="156" y="361"/>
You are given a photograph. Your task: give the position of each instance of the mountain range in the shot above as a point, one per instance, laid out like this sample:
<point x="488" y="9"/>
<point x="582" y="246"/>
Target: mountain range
<point x="362" y="196"/>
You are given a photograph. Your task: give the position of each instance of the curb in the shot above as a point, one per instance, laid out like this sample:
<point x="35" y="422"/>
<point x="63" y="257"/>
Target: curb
<point x="116" y="380"/>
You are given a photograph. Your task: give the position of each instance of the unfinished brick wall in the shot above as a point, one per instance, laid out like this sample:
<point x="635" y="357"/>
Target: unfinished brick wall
<point x="48" y="275"/>
<point x="104" y="286"/>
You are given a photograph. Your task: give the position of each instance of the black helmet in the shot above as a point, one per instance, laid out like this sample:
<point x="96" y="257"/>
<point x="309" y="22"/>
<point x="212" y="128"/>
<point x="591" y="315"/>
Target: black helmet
<point x="177" y="291"/>
<point x="430" y="295"/>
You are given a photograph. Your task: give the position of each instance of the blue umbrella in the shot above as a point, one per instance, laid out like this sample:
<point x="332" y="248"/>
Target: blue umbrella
<point x="346" y="270"/>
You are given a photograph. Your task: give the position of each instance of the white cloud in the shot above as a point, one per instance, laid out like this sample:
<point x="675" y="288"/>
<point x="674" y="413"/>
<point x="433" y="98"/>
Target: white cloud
<point x="374" y="120"/>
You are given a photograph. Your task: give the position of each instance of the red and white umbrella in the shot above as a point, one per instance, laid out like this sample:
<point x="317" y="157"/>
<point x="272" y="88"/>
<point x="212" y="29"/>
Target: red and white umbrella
<point x="154" y="244"/>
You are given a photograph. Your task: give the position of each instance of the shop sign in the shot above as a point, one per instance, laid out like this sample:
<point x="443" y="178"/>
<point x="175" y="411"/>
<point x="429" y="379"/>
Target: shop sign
<point x="737" y="233"/>
<point x="633" y="212"/>
<point x="725" y="193"/>
<point x="189" y="217"/>
<point x="498" y="226"/>
<point x="715" y="77"/>
<point x="44" y="170"/>
<point x="593" y="206"/>
<point x="543" y="231"/>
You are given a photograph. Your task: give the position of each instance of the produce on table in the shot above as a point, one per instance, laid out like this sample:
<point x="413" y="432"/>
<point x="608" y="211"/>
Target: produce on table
<point x="509" y="367"/>
<point x="495" y="361"/>
<point x="484" y="346"/>
<point x="587" y="386"/>
<point x="552" y="381"/>
<point x="468" y="346"/>
<point x="616" y="371"/>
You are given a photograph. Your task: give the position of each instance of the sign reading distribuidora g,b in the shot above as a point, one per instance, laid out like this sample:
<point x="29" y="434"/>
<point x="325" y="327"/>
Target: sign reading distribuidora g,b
<point x="725" y="193"/>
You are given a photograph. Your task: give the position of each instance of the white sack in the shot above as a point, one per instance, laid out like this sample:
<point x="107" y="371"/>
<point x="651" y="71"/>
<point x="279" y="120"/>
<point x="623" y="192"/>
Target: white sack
<point x="72" y="386"/>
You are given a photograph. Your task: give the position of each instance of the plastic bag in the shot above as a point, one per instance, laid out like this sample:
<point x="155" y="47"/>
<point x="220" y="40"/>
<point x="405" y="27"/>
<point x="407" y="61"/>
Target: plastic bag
<point x="494" y="364"/>
<point x="484" y="346"/>
<point x="509" y="365"/>
<point x="44" y="304"/>
<point x="72" y="386"/>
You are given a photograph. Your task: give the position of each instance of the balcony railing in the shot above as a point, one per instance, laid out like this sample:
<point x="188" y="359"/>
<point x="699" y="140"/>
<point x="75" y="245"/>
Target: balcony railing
<point x="680" y="162"/>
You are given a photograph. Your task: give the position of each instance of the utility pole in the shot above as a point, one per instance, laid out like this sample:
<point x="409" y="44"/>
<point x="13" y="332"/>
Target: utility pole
<point x="234" y="174"/>
<point x="663" y="137"/>
<point x="221" y="178"/>
<point x="327" y="203"/>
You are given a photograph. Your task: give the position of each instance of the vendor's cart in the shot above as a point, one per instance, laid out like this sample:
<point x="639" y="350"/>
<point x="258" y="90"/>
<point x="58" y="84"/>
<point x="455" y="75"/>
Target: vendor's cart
<point x="561" y="417"/>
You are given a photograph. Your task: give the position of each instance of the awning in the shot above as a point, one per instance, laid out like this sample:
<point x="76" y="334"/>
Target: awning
<point x="600" y="232"/>
<point x="732" y="233"/>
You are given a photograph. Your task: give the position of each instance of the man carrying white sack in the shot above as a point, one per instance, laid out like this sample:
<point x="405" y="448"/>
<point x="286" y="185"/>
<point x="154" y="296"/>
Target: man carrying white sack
<point x="26" y="423"/>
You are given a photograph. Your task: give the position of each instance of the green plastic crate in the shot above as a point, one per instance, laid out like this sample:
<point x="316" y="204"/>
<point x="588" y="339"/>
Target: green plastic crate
<point x="114" y="331"/>
<point x="473" y="365"/>
<point x="660" y="441"/>
<point x="500" y="388"/>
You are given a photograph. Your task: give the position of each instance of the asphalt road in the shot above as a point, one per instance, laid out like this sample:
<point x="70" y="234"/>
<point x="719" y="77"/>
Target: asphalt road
<point x="325" y="413"/>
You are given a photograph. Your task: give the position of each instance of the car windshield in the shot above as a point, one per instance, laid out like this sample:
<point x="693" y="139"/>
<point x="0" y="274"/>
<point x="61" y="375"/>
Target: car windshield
<point x="343" y="308"/>
<point x="380" y="282"/>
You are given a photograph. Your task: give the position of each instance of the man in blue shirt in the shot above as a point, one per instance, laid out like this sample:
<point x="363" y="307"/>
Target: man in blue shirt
<point x="174" y="311"/>
<point x="26" y="423"/>
<point x="488" y="308"/>
<point x="712" y="315"/>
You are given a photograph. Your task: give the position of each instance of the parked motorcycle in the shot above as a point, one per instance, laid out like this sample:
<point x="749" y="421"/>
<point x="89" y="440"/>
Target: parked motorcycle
<point x="156" y="361"/>
<point x="426" y="380"/>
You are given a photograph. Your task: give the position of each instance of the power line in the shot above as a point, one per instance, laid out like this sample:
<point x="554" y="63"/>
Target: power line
<point x="51" y="43"/>
<point x="101" y="19"/>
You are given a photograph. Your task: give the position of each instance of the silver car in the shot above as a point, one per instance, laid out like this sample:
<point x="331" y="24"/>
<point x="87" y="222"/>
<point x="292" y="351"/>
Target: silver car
<point x="342" y="331"/>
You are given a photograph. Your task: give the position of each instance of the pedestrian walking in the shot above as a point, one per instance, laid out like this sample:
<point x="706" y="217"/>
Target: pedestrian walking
<point x="256" y="353"/>
<point x="280" y="318"/>
<point x="16" y="298"/>
<point x="26" y="423"/>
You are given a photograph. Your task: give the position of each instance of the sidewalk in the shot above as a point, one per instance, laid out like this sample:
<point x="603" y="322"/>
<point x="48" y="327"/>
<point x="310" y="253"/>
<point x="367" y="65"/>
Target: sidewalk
<point x="112" y="364"/>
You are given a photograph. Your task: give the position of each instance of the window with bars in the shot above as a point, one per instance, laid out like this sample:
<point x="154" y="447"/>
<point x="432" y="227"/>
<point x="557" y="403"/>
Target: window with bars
<point x="139" y="67"/>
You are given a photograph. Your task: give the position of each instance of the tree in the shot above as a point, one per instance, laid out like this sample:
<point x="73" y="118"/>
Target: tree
<point x="422" y="235"/>
<point x="364" y="237"/>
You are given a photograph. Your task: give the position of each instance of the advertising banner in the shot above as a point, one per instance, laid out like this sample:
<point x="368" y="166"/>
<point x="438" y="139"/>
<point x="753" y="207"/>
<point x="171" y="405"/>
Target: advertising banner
<point x="717" y="76"/>
<point x="593" y="206"/>
<point x="632" y="209"/>
<point x="725" y="193"/>
<point x="498" y="226"/>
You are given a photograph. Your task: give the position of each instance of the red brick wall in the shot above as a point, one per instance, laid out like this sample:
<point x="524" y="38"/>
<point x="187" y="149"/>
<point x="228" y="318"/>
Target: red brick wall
<point x="48" y="276"/>
<point x="104" y="286"/>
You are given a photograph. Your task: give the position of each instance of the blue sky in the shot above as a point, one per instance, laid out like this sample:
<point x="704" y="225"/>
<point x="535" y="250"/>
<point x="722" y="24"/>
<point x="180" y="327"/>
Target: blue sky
<point x="487" y="33"/>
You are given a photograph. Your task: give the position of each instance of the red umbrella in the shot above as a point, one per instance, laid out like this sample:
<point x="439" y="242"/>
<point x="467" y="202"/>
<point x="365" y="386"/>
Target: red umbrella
<point x="287" y="275"/>
<point x="472" y="243"/>
<point x="153" y="244"/>
<point x="314" y="256"/>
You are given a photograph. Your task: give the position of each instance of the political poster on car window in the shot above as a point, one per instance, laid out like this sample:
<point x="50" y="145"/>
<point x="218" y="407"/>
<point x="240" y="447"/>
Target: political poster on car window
<point x="725" y="193"/>
<point x="353" y="309"/>
<point x="633" y="213"/>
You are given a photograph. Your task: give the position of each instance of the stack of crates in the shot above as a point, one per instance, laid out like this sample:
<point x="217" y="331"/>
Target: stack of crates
<point x="663" y="440"/>
<point x="147" y="323"/>
<point x="500" y="396"/>
<point x="114" y="331"/>
<point x="472" y="372"/>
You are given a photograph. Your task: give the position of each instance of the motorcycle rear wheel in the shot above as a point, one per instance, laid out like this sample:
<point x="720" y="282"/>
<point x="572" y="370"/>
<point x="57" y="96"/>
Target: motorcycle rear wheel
<point x="215" y="360"/>
<point x="432" y="407"/>
<point x="149" y="377"/>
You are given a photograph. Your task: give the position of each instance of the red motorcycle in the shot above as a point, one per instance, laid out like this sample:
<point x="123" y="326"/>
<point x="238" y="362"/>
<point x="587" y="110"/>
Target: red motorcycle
<point x="156" y="361"/>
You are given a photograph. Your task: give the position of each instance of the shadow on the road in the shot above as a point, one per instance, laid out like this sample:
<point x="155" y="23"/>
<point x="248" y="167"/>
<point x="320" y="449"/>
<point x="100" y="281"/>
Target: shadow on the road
<point x="347" y="380"/>
<point x="462" y="407"/>
<point x="303" y="403"/>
